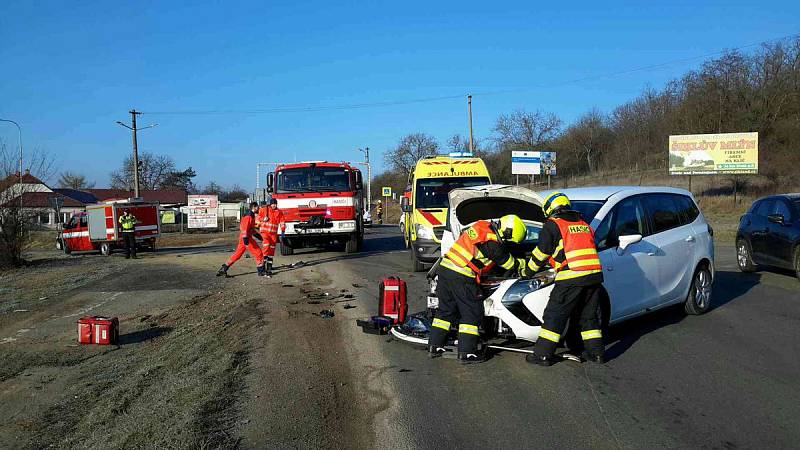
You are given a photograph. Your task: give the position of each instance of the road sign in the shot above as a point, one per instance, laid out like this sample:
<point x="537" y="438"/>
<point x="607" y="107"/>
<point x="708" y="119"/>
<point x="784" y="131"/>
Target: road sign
<point x="387" y="191"/>
<point x="526" y="163"/>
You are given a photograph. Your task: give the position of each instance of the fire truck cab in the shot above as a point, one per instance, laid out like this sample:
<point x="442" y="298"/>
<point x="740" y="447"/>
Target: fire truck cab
<point x="322" y="204"/>
<point x="98" y="227"/>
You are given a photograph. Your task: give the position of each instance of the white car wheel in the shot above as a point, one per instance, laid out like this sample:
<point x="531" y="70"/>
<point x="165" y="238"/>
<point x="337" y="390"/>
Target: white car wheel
<point x="699" y="298"/>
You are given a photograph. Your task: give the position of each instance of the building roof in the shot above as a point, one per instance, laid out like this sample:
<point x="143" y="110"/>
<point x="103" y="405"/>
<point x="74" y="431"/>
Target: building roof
<point x="82" y="196"/>
<point x="13" y="179"/>
<point x="42" y="200"/>
<point x="160" y="196"/>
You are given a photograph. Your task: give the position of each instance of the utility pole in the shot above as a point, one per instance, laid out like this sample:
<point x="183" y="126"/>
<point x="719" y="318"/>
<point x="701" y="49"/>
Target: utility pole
<point x="365" y="150"/>
<point x="134" y="129"/>
<point x="135" y="154"/>
<point x="471" y="142"/>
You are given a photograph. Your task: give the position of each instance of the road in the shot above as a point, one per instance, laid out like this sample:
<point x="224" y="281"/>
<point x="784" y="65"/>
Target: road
<point x="247" y="362"/>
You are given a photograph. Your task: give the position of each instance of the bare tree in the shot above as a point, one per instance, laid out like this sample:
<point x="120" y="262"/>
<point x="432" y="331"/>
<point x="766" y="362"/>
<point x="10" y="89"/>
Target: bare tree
<point x="526" y="130"/>
<point x="591" y="136"/>
<point x="17" y="221"/>
<point x="154" y="171"/>
<point x="409" y="150"/>
<point x="73" y="181"/>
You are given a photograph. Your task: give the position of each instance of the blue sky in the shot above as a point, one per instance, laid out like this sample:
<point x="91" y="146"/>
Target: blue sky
<point x="70" y="70"/>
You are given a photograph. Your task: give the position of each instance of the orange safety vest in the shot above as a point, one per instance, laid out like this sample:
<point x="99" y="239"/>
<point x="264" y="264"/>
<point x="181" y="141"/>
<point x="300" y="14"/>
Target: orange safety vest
<point x="462" y="255"/>
<point x="580" y="252"/>
<point x="247" y="225"/>
<point x="269" y="219"/>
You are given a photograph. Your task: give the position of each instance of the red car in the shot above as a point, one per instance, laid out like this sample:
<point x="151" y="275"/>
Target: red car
<point x="98" y="228"/>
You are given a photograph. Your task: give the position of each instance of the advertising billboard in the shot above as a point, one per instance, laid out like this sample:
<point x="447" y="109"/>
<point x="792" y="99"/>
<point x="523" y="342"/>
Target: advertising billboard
<point x="708" y="154"/>
<point x="526" y="163"/>
<point x="202" y="211"/>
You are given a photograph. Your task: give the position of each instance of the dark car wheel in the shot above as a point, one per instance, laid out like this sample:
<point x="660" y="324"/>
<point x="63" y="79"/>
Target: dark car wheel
<point x="797" y="262"/>
<point x="699" y="299"/>
<point x="744" y="257"/>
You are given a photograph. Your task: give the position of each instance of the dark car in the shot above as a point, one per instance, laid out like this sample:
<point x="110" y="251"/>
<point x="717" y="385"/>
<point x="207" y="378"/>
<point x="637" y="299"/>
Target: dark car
<point x="769" y="234"/>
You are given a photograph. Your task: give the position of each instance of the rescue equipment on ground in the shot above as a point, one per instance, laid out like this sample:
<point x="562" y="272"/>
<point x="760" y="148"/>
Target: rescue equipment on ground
<point x="98" y="330"/>
<point x="375" y="324"/>
<point x="392" y="301"/>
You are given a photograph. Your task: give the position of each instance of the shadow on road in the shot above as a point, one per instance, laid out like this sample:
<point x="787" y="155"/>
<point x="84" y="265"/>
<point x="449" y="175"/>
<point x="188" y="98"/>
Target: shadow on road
<point x="728" y="286"/>
<point x="143" y="335"/>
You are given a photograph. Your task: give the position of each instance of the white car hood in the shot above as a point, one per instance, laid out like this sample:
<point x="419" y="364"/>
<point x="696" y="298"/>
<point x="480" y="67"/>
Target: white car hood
<point x="531" y="201"/>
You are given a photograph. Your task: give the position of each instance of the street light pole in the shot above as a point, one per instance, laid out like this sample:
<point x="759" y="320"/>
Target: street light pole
<point x="19" y="135"/>
<point x="471" y="143"/>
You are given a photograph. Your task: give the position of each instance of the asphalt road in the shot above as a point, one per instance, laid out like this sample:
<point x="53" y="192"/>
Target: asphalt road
<point x="726" y="379"/>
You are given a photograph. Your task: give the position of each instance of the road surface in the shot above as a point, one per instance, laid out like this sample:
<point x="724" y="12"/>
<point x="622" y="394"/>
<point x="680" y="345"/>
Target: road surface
<point x="247" y="362"/>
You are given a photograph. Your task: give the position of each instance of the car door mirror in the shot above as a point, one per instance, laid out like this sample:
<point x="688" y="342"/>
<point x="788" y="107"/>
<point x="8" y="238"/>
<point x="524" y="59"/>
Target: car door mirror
<point x="776" y="218"/>
<point x="629" y="239"/>
<point x="270" y="180"/>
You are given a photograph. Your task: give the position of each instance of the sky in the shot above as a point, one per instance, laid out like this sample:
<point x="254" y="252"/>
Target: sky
<point x="69" y="71"/>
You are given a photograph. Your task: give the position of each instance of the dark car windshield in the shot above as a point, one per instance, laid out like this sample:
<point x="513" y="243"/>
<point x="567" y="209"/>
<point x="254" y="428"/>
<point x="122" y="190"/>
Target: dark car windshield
<point x="432" y="192"/>
<point x="587" y="208"/>
<point x="319" y="179"/>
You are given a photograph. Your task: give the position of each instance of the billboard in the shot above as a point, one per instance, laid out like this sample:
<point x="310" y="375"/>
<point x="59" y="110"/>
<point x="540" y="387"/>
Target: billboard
<point x="705" y="154"/>
<point x="548" y="163"/>
<point x="202" y="211"/>
<point x="526" y="163"/>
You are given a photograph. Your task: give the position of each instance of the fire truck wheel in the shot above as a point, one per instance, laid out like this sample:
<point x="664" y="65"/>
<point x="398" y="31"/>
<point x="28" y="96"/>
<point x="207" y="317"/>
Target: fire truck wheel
<point x="351" y="246"/>
<point x="66" y="248"/>
<point x="286" y="249"/>
<point x="105" y="249"/>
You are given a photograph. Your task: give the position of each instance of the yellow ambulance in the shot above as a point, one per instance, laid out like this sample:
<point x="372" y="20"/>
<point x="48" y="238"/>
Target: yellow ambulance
<point x="426" y="208"/>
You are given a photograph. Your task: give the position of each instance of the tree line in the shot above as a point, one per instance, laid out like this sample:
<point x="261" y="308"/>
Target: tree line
<point x="736" y="92"/>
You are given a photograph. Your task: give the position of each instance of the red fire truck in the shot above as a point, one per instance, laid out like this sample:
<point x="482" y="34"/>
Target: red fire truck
<point x="98" y="227"/>
<point x="322" y="204"/>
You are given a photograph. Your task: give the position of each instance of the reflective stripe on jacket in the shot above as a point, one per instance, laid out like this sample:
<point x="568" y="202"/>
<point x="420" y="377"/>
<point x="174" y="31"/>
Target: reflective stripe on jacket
<point x="128" y="222"/>
<point x="466" y="258"/>
<point x="269" y="219"/>
<point x="575" y="255"/>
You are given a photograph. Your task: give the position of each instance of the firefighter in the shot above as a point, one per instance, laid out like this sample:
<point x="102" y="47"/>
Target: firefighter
<point x="128" y="223"/>
<point x="246" y="242"/>
<point x="475" y="253"/>
<point x="269" y="219"/>
<point x="379" y="212"/>
<point x="567" y="242"/>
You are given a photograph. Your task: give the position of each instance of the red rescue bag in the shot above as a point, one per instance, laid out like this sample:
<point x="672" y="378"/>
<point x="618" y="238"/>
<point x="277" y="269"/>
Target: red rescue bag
<point x="98" y="330"/>
<point x="392" y="299"/>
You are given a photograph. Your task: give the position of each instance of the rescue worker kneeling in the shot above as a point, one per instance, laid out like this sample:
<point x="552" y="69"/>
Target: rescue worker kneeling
<point x="568" y="242"/>
<point x="475" y="253"/>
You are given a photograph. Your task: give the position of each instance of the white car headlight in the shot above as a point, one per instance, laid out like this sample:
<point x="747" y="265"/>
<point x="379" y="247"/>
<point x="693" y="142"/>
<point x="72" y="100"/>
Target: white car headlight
<point x="424" y="232"/>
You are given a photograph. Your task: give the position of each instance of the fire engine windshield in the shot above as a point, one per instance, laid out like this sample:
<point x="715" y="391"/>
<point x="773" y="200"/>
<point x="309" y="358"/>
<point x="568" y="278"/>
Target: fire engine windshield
<point x="432" y="192"/>
<point x="315" y="179"/>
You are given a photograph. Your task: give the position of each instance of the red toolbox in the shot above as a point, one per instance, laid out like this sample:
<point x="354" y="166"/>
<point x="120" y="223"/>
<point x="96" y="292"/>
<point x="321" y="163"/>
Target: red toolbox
<point x="98" y="330"/>
<point x="392" y="299"/>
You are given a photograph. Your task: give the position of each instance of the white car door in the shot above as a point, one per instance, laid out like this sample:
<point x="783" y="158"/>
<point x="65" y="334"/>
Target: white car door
<point x="630" y="275"/>
<point x="675" y="242"/>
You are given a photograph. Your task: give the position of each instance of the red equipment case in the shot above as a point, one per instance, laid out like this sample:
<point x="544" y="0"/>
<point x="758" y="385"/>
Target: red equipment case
<point x="98" y="330"/>
<point x="392" y="299"/>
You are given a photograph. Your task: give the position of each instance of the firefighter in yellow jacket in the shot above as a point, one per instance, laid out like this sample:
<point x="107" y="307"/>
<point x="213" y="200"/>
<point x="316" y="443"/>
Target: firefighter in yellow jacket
<point x="476" y="252"/>
<point x="567" y="242"/>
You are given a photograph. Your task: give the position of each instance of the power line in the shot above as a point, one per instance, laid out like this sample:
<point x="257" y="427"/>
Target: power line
<point x="299" y="109"/>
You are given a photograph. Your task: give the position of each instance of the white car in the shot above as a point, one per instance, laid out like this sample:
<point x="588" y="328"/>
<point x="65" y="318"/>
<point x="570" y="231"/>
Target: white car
<point x="655" y="245"/>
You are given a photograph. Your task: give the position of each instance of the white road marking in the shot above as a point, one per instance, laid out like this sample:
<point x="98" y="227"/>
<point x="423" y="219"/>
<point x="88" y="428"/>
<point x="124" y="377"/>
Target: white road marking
<point x="89" y="308"/>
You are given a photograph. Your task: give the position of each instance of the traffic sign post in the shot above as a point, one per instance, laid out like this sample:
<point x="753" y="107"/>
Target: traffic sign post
<point x="526" y="163"/>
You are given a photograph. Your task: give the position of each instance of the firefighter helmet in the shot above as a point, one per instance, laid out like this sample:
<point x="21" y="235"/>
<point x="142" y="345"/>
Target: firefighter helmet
<point x="554" y="202"/>
<point x="512" y="228"/>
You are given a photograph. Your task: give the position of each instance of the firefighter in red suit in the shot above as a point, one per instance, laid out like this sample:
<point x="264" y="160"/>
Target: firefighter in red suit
<point x="269" y="219"/>
<point x="247" y="228"/>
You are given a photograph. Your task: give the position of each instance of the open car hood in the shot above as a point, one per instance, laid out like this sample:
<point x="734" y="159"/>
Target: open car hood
<point x="468" y="205"/>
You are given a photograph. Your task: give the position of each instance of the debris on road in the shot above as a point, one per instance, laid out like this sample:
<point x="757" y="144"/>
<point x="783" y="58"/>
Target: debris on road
<point x="349" y="306"/>
<point x="297" y="264"/>
<point x="325" y="314"/>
